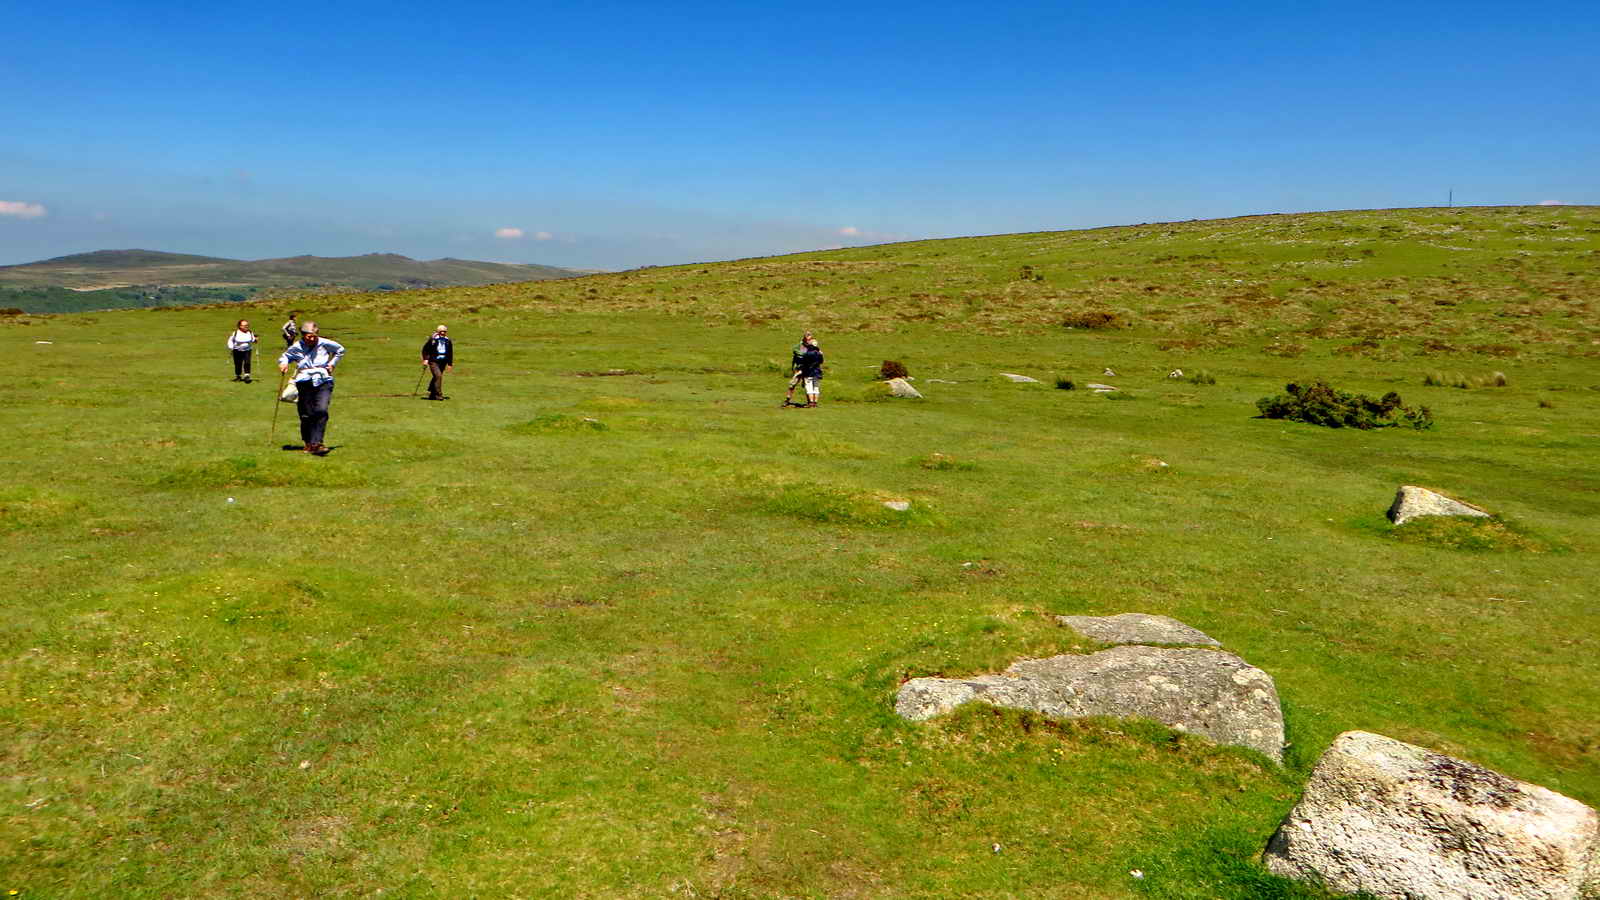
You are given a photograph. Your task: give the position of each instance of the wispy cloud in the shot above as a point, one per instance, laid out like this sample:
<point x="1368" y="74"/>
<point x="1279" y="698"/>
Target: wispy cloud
<point x="543" y="236"/>
<point x="21" y="210"/>
<point x="1552" y="203"/>
<point x="850" y="231"/>
<point x="509" y="234"/>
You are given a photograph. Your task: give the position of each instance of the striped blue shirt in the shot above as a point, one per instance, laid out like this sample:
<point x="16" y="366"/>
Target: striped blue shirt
<point x="316" y="363"/>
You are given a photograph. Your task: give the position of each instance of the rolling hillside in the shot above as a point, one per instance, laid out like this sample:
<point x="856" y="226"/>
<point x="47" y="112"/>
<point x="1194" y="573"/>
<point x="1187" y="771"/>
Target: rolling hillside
<point x="119" y="278"/>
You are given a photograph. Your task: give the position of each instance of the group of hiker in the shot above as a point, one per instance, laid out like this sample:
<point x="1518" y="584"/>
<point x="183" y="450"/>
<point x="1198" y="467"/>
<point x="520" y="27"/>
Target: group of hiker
<point x="314" y="358"/>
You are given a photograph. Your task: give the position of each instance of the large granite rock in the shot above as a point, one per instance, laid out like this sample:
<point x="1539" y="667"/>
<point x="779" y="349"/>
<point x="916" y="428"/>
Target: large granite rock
<point x="1411" y="501"/>
<point x="1395" y="820"/>
<point x="1137" y="628"/>
<point x="900" y="387"/>
<point x="1206" y="692"/>
<point x="1019" y="379"/>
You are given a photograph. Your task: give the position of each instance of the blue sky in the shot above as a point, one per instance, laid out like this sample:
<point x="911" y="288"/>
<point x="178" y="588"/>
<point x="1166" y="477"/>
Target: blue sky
<point x="618" y="134"/>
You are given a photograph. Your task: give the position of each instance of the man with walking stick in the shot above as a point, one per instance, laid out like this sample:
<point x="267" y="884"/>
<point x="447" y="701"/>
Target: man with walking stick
<point x="438" y="357"/>
<point x="315" y="356"/>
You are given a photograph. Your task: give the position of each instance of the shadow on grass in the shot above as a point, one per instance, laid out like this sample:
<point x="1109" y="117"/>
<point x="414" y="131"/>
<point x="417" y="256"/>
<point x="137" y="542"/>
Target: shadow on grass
<point x="246" y="471"/>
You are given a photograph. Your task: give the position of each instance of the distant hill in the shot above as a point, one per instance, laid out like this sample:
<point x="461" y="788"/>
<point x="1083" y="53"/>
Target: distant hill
<point x="106" y="279"/>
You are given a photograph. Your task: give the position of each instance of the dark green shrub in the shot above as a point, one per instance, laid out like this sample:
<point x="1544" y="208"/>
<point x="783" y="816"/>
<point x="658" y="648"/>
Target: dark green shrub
<point x="1065" y="384"/>
<point x="892" y="368"/>
<point x="1318" y="403"/>
<point x="1202" y="378"/>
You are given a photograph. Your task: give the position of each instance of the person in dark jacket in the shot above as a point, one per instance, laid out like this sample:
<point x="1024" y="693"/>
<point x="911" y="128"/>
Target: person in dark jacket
<point x="811" y="372"/>
<point x="438" y="357"/>
<point x="795" y="357"/>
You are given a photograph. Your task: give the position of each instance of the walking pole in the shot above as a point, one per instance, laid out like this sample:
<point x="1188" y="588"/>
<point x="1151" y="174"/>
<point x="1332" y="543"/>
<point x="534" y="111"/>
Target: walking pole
<point x="277" y="400"/>
<point x="419" y="383"/>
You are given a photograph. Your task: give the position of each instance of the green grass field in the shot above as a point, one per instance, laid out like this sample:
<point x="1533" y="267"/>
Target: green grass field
<point x="575" y="633"/>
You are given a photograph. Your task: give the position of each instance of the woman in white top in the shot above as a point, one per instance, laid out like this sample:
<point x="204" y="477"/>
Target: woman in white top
<point x="241" y="342"/>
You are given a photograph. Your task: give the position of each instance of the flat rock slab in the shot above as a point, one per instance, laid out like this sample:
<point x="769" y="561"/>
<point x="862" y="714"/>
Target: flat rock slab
<point x="1019" y="379"/>
<point x="1396" y="820"/>
<point x="1205" y="692"/>
<point x="1412" y="501"/>
<point x="899" y="387"/>
<point x="1094" y="386"/>
<point x="1138" y="628"/>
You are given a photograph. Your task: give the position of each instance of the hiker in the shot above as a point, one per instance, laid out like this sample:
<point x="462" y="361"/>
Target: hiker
<point x="795" y="357"/>
<point x="291" y="331"/>
<point x="811" y="372"/>
<point x="438" y="357"/>
<point x="241" y="342"/>
<point x="316" y="357"/>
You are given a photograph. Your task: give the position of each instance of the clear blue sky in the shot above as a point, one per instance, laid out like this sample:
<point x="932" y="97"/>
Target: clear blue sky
<point x="616" y="134"/>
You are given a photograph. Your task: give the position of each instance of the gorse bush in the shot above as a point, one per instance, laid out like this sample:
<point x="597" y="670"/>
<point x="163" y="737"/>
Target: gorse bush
<point x="1065" y="384"/>
<point x="1318" y="403"/>
<point x="892" y="368"/>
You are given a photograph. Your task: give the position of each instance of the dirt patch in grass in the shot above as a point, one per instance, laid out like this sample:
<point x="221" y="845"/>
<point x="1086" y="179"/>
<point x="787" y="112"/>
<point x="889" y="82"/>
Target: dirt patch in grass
<point x="940" y="462"/>
<point x="27" y="508"/>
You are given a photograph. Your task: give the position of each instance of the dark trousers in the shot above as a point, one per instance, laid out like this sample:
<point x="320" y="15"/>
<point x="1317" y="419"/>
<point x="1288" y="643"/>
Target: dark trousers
<point x="241" y="363"/>
<point x="436" y="383"/>
<point x="313" y="408"/>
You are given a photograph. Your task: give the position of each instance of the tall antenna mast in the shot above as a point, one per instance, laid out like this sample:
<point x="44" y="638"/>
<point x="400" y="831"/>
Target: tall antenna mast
<point x="1452" y="198"/>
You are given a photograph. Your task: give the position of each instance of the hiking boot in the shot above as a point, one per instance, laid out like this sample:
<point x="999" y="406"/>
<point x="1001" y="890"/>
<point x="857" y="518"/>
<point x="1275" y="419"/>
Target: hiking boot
<point x="246" y="379"/>
<point x="319" y="450"/>
<point x="811" y="405"/>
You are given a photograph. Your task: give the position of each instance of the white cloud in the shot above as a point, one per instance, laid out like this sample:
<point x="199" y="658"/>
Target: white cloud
<point x="21" y="210"/>
<point x="543" y="236"/>
<point x="855" y="235"/>
<point x="1551" y="203"/>
<point x="509" y="234"/>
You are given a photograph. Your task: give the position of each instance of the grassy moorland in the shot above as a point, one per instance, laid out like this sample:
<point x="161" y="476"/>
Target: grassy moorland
<point x="611" y="623"/>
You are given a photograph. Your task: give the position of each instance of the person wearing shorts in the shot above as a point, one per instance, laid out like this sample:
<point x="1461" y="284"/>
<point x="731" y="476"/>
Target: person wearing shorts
<point x="811" y="372"/>
<point x="795" y="356"/>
